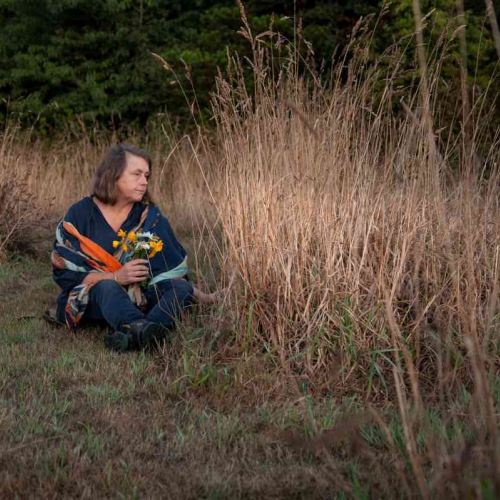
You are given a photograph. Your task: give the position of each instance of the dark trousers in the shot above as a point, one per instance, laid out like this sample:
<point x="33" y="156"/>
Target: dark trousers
<point x="108" y="301"/>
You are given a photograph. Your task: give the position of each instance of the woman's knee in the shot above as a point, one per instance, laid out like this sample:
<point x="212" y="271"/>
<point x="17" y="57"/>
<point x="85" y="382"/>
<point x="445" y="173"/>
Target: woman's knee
<point x="183" y="290"/>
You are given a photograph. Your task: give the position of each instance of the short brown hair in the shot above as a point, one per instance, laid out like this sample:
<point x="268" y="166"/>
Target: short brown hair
<point x="111" y="168"/>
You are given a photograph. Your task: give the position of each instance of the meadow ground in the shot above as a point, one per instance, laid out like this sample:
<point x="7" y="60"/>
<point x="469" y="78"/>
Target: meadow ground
<point x="77" y="421"/>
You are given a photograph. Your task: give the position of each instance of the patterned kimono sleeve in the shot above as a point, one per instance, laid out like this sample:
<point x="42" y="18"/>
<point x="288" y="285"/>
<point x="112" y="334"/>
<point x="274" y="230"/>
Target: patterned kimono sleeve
<point x="66" y="274"/>
<point x="66" y="279"/>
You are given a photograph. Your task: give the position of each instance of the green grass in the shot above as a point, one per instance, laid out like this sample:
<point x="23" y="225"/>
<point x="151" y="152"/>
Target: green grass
<point x="77" y="421"/>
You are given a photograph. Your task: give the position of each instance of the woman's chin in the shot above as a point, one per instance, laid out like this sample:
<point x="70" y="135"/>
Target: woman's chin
<point x="133" y="197"/>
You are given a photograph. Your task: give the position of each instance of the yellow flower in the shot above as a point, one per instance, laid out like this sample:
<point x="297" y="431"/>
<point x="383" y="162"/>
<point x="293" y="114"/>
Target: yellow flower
<point x="156" y="246"/>
<point x="121" y="233"/>
<point x="115" y="244"/>
<point x="154" y="249"/>
<point x="132" y="237"/>
<point x="125" y="247"/>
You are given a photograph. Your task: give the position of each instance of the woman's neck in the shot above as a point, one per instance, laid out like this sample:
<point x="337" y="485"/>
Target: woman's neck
<point x="115" y="215"/>
<point x="120" y="207"/>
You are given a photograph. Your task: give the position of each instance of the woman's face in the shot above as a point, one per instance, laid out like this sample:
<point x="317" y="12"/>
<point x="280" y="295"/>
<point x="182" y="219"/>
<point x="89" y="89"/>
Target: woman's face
<point x="133" y="182"/>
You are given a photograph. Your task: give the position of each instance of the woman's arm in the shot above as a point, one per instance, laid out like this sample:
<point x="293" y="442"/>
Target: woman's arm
<point x="134" y="271"/>
<point x="91" y="278"/>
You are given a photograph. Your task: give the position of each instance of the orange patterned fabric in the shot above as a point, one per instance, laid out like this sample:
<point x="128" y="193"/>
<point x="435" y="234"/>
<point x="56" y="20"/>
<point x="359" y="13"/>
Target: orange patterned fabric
<point x="94" y="251"/>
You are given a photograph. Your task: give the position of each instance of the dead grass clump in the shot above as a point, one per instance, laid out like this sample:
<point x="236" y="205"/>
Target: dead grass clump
<point x="24" y="222"/>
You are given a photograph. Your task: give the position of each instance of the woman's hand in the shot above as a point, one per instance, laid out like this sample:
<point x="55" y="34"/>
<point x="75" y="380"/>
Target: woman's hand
<point x="134" y="271"/>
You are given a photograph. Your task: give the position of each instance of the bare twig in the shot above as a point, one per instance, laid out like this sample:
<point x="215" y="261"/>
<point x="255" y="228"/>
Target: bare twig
<point x="494" y="24"/>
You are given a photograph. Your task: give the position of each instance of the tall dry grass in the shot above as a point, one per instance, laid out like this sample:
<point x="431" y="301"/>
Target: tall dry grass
<point x="362" y="226"/>
<point x="39" y="179"/>
<point x="333" y="204"/>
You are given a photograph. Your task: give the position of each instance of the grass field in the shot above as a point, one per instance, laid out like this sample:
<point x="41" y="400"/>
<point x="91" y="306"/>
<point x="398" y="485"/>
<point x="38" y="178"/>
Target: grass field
<point x="357" y="352"/>
<point x="77" y="421"/>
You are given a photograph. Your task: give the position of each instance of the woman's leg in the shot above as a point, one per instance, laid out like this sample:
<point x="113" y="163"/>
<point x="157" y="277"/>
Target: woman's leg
<point x="167" y="300"/>
<point x="108" y="301"/>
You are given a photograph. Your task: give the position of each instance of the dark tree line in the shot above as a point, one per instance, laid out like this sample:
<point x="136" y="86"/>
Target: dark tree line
<point x="61" y="59"/>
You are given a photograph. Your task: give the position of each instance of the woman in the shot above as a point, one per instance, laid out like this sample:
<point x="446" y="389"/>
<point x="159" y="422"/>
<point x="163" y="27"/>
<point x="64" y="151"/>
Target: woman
<point x="97" y="283"/>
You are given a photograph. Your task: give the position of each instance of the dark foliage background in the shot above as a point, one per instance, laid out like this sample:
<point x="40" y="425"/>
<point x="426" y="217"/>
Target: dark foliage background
<point x="91" y="59"/>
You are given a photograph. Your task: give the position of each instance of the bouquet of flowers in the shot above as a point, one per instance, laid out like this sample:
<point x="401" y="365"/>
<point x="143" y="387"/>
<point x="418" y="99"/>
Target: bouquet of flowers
<point x="138" y="246"/>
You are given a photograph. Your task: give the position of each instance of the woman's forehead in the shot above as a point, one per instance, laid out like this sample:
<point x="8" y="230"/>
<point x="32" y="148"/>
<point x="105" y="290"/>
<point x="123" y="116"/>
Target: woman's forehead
<point x="136" y="162"/>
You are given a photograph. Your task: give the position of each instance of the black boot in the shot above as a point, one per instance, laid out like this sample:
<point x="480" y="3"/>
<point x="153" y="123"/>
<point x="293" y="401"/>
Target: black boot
<point x="138" y="335"/>
<point x="147" y="334"/>
<point x="118" y="341"/>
